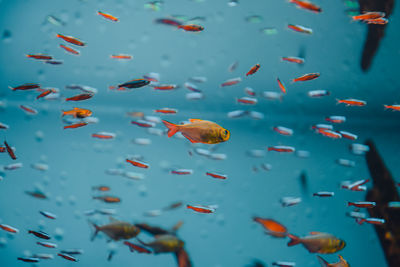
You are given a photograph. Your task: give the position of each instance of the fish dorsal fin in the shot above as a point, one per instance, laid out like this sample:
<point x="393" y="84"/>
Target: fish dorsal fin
<point x="112" y="219"/>
<point x="315" y="233"/>
<point x="195" y="120"/>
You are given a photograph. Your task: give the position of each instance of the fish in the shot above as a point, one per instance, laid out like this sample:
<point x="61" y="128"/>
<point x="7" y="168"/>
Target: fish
<point x="282" y="149"/>
<point x="26" y="86"/>
<point x="297" y="60"/>
<point x="341" y="263"/>
<point x="166" y="111"/>
<point x="270" y="95"/>
<point x="43" y="256"/>
<point x="45" y="93"/>
<point x="74" y="251"/>
<point x="307" y="5"/>
<point x="4" y="126"/>
<point x="191" y="28"/>
<point x="108" y="16"/>
<point x="281" y="86"/>
<point x="217" y="175"/>
<point x="369" y="15"/>
<point x="77" y="113"/>
<point x="116" y="230"/>
<point x="324" y="194"/>
<point x="283" y="130"/>
<point x="121" y="56"/>
<point x="284" y="264"/>
<point x="138" y="163"/>
<point x="70" y="49"/>
<point x="306" y="77"/>
<point x="272" y="227"/>
<point x="253" y="69"/>
<point x="75" y="125"/>
<point x="54" y="62"/>
<point x="250" y="91"/>
<point x="10" y="151"/>
<point x="79" y="97"/>
<point x="70" y="39"/>
<point x="231" y="82"/>
<point x="39" y="56"/>
<point x="378" y="21"/>
<point x="290" y="201"/>
<point x="317" y="242"/>
<point x="134" y="247"/>
<point x="164" y="243"/>
<point x="247" y="100"/>
<point x="348" y="135"/>
<point x="29" y="110"/>
<point x="199" y="131"/>
<point x="362" y="204"/>
<point x="39" y="234"/>
<point x="136" y="83"/>
<point x="173" y="206"/>
<point x="47" y="244"/>
<point x="201" y="208"/>
<point x="318" y="93"/>
<point x="376" y="221"/>
<point x="9" y="228"/>
<point x="192" y="87"/>
<point x="392" y="107"/>
<point x="108" y="199"/>
<point x="48" y="215"/>
<point x="346" y="162"/>
<point x="102" y="188"/>
<point x="351" y="102"/>
<point x="165" y="87"/>
<point x="301" y="29"/>
<point x="28" y="259"/>
<point x="40" y="166"/>
<point x="104" y="135"/>
<point x="67" y="257"/>
<point x="329" y="133"/>
<point x="168" y="21"/>
<point x="182" y="171"/>
<point x="336" y="119"/>
<point x="36" y="194"/>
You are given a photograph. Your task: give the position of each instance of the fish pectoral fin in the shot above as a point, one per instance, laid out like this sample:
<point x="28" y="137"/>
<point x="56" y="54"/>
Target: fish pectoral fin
<point x="190" y="139"/>
<point x="194" y="120"/>
<point x="323" y="262"/>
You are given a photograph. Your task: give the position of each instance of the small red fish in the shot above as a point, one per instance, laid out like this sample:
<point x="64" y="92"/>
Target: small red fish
<point x="67" y="257"/>
<point x="281" y="148"/>
<point x="104" y="135"/>
<point x="121" y="56"/>
<point x="8" y="228"/>
<point x="108" y="199"/>
<point x="249" y="91"/>
<point x="217" y="175"/>
<point x="348" y="135"/>
<point x="47" y="244"/>
<point x="253" y="69"/>
<point x="182" y="171"/>
<point x="10" y="151"/>
<point x="71" y="40"/>
<point x="376" y="221"/>
<point x="307" y="5"/>
<point x="362" y="204"/>
<point x="108" y="16"/>
<point x="299" y="28"/>
<point x="324" y="194"/>
<point x="70" y="50"/>
<point x="134" y="247"/>
<point x="369" y="15"/>
<point x="307" y="77"/>
<point x="76" y="125"/>
<point x="79" y="97"/>
<point x="191" y="28"/>
<point x="201" y="209"/>
<point x="272" y="227"/>
<point x="283" y="130"/>
<point x="293" y="60"/>
<point x="281" y="86"/>
<point x="351" y="102"/>
<point x="27" y="86"/>
<point x="48" y="215"/>
<point x="336" y="119"/>
<point x="165" y="87"/>
<point x="329" y="133"/>
<point x="379" y="21"/>
<point x="166" y="111"/>
<point x="102" y="188"/>
<point x="40" y="56"/>
<point x="138" y="163"/>
<point x="247" y="100"/>
<point x="29" y="109"/>
<point x="143" y="123"/>
<point x="231" y="82"/>
<point x="392" y="107"/>
<point x="45" y="93"/>
<point x="39" y="234"/>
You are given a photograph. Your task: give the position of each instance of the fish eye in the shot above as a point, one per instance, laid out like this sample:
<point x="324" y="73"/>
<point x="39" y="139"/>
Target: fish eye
<point x="226" y="132"/>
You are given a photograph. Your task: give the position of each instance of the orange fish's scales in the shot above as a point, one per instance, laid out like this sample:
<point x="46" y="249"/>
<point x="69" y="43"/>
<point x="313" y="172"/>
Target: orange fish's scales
<point x="71" y="40"/>
<point x="108" y="16"/>
<point x="307" y="5"/>
<point x="307" y="77"/>
<point x="69" y="49"/>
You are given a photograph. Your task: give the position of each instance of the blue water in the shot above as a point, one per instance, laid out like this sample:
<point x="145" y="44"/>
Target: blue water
<point x="227" y="237"/>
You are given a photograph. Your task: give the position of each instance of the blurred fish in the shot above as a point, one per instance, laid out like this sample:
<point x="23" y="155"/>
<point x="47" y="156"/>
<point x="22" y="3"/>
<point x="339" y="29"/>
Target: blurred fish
<point x="346" y="162"/>
<point x="43" y="256"/>
<point x="136" y="83"/>
<point x="9" y="228"/>
<point x="362" y="204"/>
<point x="290" y="201"/>
<point x="317" y="242"/>
<point x="253" y="69"/>
<point x="182" y="171"/>
<point x="10" y="151"/>
<point x="70" y="49"/>
<point x="191" y="27"/>
<point x="55" y="21"/>
<point x="138" y="163"/>
<point x="329" y="133"/>
<point x="231" y="82"/>
<point x="28" y="259"/>
<point x="342" y="262"/>
<point x="108" y="199"/>
<point x="369" y="15"/>
<point x="39" y="56"/>
<point x="324" y="194"/>
<point x="79" y="97"/>
<point x="166" y="111"/>
<point x="306" y="77"/>
<point x="247" y="100"/>
<point x="4" y="126"/>
<point x="297" y="60"/>
<point x="351" y="102"/>
<point x="378" y="21"/>
<point x="306" y="5"/>
<point x="47" y="244"/>
<point x="54" y="62"/>
<point x="48" y="215"/>
<point x="283" y="130"/>
<point x="199" y="131"/>
<point x="75" y="125"/>
<point x="169" y="22"/>
<point x="165" y="87"/>
<point x="284" y="264"/>
<point x="137" y="248"/>
<point x="77" y="113"/>
<point x="116" y="230"/>
<point x="281" y="148"/>
<point x="67" y="257"/>
<point x="376" y="221"/>
<point x="272" y="227"/>
<point x="75" y="251"/>
<point x="301" y="29"/>
<point x="392" y="107"/>
<point x="26" y="86"/>
<point x="256" y="263"/>
<point x="36" y="194"/>
<point x="71" y="40"/>
<point x="104" y="135"/>
<point x="233" y="66"/>
<point x="39" y="234"/>
<point x="201" y="208"/>
<point x="29" y="110"/>
<point x="217" y="175"/>
<point x="336" y="119"/>
<point x="45" y="93"/>
<point x="173" y="206"/>
<point x="121" y="56"/>
<point x="107" y="16"/>
<point x="13" y="166"/>
<point x="318" y="93"/>
<point x="281" y="86"/>
<point x="102" y="188"/>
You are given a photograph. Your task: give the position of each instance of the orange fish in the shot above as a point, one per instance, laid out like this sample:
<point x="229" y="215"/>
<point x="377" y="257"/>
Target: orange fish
<point x="45" y="93"/>
<point x="138" y="163"/>
<point x="392" y="107"/>
<point x="307" y="5"/>
<point x="10" y="151"/>
<point x="70" y="50"/>
<point x="29" y="109"/>
<point x="79" y="97"/>
<point x="299" y="28"/>
<point x="108" y="199"/>
<point x="102" y="188"/>
<point x="281" y="86"/>
<point x="76" y="125"/>
<point x="216" y="175"/>
<point x="369" y="15"/>
<point x="104" y="135"/>
<point x="77" y="113"/>
<point x="9" y="229"/>
<point x="231" y="82"/>
<point x="281" y="148"/>
<point x="27" y="86"/>
<point x="307" y="77"/>
<point x="166" y="111"/>
<point x="379" y="21"/>
<point x="253" y="69"/>
<point x="40" y="56"/>
<point x="351" y="102"/>
<point x="272" y="227"/>
<point x="71" y="40"/>
<point x="121" y="56"/>
<point x="134" y="247"/>
<point x="199" y="131"/>
<point x="191" y="28"/>
<point x="329" y="133"/>
<point x="201" y="209"/>
<point x="107" y="16"/>
<point x="293" y="59"/>
<point x="165" y="87"/>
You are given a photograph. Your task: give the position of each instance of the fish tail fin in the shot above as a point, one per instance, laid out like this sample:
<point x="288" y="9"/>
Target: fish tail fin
<point x="360" y="221"/>
<point x="96" y="230"/>
<point x="323" y="262"/>
<point x="12" y="88"/>
<point x="63" y="113"/>
<point x="172" y="128"/>
<point x="294" y="240"/>
<point x="349" y="204"/>
<point x="180" y="26"/>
